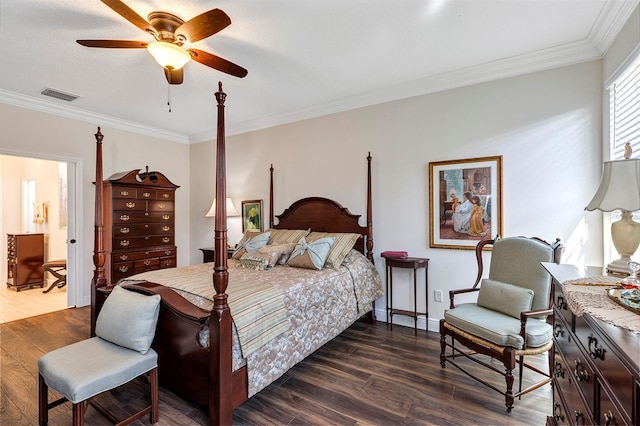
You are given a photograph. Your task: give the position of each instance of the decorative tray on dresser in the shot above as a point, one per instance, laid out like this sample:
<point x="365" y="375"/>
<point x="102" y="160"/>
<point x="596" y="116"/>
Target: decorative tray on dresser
<point x="596" y="367"/>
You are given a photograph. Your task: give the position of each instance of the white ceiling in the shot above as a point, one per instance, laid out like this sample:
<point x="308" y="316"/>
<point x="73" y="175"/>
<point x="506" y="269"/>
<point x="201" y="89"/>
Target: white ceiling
<point x="305" y="58"/>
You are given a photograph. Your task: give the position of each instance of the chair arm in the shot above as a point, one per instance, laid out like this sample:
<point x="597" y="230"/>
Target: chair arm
<point x="452" y="294"/>
<point x="524" y="316"/>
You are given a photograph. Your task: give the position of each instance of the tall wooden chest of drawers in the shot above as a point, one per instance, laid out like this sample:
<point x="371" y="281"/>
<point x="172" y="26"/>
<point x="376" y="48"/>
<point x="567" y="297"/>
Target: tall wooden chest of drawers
<point x="25" y="257"/>
<point x="139" y="223"/>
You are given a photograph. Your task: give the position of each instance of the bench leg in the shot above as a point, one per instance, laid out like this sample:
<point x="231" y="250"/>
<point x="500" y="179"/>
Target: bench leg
<point x="153" y="379"/>
<point x="43" y="400"/>
<point x="79" y="410"/>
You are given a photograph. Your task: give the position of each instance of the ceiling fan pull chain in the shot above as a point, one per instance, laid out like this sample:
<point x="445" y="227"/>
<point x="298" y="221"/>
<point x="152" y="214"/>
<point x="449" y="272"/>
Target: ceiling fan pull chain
<point x="169" y="96"/>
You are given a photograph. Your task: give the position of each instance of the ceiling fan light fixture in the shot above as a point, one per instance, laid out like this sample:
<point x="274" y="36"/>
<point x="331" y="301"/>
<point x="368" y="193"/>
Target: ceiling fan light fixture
<point x="169" y="55"/>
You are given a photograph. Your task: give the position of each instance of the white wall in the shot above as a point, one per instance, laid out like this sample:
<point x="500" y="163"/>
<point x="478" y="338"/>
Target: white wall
<point x="32" y="133"/>
<point x="546" y="125"/>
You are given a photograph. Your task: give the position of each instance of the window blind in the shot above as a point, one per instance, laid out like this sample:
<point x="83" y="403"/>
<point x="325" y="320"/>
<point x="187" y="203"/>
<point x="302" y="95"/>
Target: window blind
<point x="624" y="110"/>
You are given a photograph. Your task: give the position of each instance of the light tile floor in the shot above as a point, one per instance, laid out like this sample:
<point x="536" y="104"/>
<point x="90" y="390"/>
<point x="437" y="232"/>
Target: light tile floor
<point x="28" y="303"/>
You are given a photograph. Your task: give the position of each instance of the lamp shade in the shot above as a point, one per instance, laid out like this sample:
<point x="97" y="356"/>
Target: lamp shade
<point x="619" y="187"/>
<point x="231" y="210"/>
<point x="169" y="55"/>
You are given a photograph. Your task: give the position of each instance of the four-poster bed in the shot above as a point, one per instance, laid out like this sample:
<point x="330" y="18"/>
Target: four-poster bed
<point x="209" y="372"/>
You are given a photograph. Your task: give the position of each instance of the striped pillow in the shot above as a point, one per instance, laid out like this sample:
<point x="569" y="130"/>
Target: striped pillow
<point x="344" y="242"/>
<point x="287" y="235"/>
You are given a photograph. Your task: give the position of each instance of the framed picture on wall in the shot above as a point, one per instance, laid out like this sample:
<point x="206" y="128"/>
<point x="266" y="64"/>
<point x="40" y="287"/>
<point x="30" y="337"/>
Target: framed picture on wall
<point x="251" y="215"/>
<point x="465" y="199"/>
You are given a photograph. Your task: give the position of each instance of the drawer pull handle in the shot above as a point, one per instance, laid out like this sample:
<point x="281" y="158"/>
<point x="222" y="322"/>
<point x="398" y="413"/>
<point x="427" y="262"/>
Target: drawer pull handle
<point x="124" y="217"/>
<point x="124" y="193"/>
<point x="161" y="205"/>
<point x="130" y="204"/>
<point x="166" y="228"/>
<point x="124" y="230"/>
<point x="146" y="238"/>
<point x="147" y="262"/>
<point x="123" y="257"/>
<point x="167" y="252"/>
<point x="579" y="372"/>
<point x="124" y="243"/>
<point x="165" y="195"/>
<point x="557" y="330"/>
<point x="558" y="370"/>
<point x="608" y="418"/>
<point x="167" y="262"/>
<point x="166" y="217"/>
<point x="123" y="268"/>
<point x="597" y="351"/>
<point x="146" y="194"/>
<point x="561" y="303"/>
<point x="557" y="412"/>
<point x="166" y="239"/>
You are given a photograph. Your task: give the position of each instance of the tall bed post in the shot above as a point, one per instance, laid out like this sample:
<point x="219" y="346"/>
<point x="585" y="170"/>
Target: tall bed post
<point x="220" y="365"/>
<point x="99" y="277"/>
<point x="369" y="212"/>
<point x="271" y="218"/>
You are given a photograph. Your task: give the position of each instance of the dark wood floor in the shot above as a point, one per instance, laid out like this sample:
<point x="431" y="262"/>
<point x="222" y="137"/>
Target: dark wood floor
<point x="367" y="375"/>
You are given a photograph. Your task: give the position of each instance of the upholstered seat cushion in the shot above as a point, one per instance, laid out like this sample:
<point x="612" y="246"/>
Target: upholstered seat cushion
<point x="82" y="370"/>
<point x="496" y="327"/>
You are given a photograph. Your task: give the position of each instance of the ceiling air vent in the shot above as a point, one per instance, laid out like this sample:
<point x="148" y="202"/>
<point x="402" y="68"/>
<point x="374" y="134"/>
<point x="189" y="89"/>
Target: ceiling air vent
<point x="59" y="95"/>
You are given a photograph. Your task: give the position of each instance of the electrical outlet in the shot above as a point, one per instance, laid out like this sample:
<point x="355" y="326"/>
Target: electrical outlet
<point x="437" y="295"/>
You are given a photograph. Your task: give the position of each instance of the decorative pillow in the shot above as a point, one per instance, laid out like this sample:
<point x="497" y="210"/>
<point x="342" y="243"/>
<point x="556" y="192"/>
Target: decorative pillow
<point x="287" y="235"/>
<point x="344" y="242"/>
<point x="129" y="319"/>
<point x="310" y="255"/>
<point x="506" y="298"/>
<point x="277" y="253"/>
<point x="254" y="261"/>
<point x="251" y="243"/>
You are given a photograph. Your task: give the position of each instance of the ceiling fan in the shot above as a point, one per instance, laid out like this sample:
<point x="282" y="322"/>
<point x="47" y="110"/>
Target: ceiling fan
<point x="170" y="33"/>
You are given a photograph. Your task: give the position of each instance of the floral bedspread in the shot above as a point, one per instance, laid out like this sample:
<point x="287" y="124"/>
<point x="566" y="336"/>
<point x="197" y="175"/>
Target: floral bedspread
<point x="319" y="305"/>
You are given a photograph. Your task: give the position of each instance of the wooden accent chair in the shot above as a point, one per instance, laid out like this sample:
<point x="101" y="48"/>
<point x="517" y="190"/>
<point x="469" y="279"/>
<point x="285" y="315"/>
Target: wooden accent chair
<point x="510" y="318"/>
<point x="120" y="352"/>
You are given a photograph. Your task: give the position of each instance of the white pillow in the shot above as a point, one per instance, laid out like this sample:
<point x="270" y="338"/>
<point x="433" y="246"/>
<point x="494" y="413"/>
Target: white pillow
<point x="129" y="319"/>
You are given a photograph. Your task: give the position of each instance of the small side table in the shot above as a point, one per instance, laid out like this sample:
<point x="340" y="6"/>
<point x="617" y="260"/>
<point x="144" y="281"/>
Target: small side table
<point x="209" y="253"/>
<point x="414" y="263"/>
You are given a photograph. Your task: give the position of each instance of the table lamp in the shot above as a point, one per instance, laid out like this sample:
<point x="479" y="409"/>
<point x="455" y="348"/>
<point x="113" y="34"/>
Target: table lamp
<point x="231" y="210"/>
<point x="620" y="190"/>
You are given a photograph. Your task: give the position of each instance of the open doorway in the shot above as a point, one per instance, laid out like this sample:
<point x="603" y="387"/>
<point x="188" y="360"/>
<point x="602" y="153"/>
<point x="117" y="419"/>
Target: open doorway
<point x="36" y="200"/>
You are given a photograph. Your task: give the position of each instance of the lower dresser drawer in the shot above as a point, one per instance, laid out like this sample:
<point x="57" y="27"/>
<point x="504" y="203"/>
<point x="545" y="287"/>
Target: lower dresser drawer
<point x="574" y="410"/>
<point x="614" y="375"/>
<point x="122" y="270"/>
<point x="608" y="414"/>
<point x="577" y="368"/>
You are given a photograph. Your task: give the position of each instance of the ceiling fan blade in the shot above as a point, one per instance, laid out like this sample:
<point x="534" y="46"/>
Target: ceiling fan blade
<point x="217" y="63"/>
<point x="174" y="76"/>
<point x="114" y="44"/>
<point x="204" y="25"/>
<point x="130" y="15"/>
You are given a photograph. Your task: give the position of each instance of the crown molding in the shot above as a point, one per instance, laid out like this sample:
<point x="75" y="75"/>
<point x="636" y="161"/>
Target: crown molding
<point x="28" y="102"/>
<point x="613" y="17"/>
<point x="564" y="55"/>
